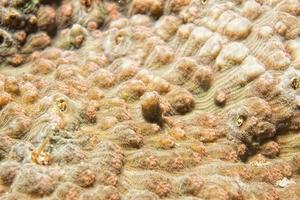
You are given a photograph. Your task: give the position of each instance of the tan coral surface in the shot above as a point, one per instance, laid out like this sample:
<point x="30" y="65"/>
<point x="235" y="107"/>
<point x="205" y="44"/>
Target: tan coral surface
<point x="150" y="99"/>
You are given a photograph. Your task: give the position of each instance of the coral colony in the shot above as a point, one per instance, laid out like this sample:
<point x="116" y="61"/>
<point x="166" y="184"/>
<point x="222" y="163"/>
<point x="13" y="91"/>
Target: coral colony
<point x="149" y="99"/>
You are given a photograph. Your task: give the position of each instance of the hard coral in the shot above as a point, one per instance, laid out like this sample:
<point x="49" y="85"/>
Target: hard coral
<point x="149" y="99"/>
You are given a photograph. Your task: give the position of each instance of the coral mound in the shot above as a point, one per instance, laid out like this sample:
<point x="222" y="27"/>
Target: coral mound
<point x="150" y="99"/>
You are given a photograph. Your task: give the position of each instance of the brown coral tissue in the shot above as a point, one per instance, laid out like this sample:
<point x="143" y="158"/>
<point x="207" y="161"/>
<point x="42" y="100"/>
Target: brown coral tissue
<point x="149" y="99"/>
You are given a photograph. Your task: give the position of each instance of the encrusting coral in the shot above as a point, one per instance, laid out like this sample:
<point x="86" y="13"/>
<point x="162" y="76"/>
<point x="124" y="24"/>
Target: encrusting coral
<point x="149" y="99"/>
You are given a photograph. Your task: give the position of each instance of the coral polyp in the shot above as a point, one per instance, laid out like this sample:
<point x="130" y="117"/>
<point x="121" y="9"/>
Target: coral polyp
<point x="149" y="99"/>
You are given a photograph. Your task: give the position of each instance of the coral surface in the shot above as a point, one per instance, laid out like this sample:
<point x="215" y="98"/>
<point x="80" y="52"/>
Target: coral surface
<point x="149" y="99"/>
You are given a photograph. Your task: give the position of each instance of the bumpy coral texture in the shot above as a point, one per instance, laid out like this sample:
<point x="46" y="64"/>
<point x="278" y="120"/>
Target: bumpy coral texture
<point x="149" y="99"/>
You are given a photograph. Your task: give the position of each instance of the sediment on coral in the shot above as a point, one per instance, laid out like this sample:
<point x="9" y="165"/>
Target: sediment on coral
<point x="149" y="99"/>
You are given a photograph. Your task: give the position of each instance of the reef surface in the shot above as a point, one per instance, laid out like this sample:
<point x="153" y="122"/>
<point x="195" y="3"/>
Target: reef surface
<point x="149" y="99"/>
